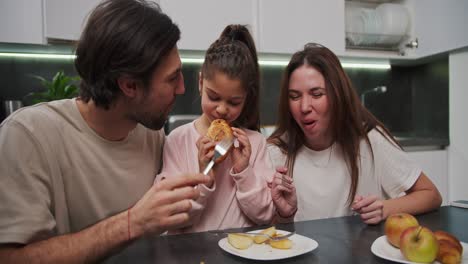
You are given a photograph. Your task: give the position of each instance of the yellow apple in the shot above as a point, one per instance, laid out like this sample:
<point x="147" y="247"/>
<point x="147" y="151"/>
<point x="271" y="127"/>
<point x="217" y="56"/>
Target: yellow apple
<point x="271" y="231"/>
<point x="281" y="244"/>
<point x="419" y="244"/>
<point x="240" y="241"/>
<point x="396" y="224"/>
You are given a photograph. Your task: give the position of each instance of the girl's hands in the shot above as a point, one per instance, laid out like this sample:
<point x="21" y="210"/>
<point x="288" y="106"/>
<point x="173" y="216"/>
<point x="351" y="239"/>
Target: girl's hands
<point x="370" y="208"/>
<point x="283" y="193"/>
<point x="241" y="154"/>
<point x="205" y="154"/>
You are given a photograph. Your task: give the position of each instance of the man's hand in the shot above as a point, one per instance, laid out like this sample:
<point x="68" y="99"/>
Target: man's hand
<point x="166" y="205"/>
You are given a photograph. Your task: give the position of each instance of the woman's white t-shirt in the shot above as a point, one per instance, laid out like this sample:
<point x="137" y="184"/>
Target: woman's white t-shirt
<point x="322" y="178"/>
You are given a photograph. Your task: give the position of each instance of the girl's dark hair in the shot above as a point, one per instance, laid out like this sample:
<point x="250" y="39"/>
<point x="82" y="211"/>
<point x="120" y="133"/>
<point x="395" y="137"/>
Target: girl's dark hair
<point x="350" y="120"/>
<point x="234" y="54"/>
<point x="122" y="37"/>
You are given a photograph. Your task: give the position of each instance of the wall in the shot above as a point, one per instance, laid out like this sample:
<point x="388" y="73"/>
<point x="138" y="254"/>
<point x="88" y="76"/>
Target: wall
<point x="458" y="149"/>
<point x="412" y="91"/>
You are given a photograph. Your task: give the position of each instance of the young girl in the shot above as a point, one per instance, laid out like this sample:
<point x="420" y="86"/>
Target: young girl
<point x="342" y="158"/>
<point x="238" y="194"/>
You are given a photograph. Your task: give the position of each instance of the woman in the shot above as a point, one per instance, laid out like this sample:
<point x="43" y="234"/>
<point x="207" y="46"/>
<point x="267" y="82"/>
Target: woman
<point x="343" y="160"/>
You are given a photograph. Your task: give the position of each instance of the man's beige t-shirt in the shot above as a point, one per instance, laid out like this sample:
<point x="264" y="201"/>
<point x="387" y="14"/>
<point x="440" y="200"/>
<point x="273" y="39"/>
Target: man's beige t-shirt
<point x="58" y="176"/>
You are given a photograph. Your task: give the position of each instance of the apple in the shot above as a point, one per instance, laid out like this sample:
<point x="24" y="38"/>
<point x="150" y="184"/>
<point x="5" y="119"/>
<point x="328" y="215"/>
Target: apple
<point x="396" y="224"/>
<point x="448" y="252"/>
<point x="419" y="244"/>
<point x="281" y="244"/>
<point x="240" y="241"/>
<point x="271" y="231"/>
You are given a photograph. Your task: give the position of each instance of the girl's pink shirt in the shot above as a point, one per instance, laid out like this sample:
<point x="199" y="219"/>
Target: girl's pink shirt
<point x="235" y="200"/>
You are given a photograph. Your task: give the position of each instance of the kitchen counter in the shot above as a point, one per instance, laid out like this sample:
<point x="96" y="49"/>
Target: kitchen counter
<point x="409" y="143"/>
<point x="422" y="143"/>
<point x="340" y="240"/>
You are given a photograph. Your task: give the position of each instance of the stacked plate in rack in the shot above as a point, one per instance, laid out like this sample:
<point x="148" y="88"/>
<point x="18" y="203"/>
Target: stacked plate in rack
<point x="387" y="24"/>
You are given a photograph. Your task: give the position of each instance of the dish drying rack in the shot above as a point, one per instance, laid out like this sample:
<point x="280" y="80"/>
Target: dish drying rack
<point x="379" y="42"/>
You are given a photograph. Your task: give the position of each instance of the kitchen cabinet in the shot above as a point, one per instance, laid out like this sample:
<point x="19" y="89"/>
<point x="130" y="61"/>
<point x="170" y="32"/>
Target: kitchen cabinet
<point x="65" y="19"/>
<point x="21" y="21"/>
<point x="434" y="164"/>
<point x="458" y="149"/>
<point x="201" y="22"/>
<point x="439" y="26"/>
<point x="285" y="26"/>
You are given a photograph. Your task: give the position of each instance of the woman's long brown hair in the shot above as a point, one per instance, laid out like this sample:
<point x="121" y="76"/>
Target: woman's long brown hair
<point x="350" y="121"/>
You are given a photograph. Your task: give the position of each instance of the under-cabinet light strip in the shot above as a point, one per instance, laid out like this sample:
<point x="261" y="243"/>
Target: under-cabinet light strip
<point x="383" y="66"/>
<point x="38" y="55"/>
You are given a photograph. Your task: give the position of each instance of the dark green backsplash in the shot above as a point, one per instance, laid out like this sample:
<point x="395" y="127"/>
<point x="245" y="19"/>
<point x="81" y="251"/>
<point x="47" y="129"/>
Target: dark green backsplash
<point x="415" y="104"/>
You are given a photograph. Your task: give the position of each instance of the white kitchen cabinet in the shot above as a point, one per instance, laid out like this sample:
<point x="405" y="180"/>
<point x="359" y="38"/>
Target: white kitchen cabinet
<point x="434" y="164"/>
<point x="21" y="21"/>
<point x="458" y="149"/>
<point x="65" y="19"/>
<point x="439" y="26"/>
<point x="285" y="26"/>
<point x="201" y="22"/>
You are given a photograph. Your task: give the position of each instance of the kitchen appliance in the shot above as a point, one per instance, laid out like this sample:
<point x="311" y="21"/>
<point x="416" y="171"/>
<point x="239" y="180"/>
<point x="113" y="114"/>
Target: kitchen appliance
<point x="11" y="106"/>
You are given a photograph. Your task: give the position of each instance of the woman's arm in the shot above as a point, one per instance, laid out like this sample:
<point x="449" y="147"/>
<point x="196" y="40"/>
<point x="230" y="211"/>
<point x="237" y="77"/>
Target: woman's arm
<point x="422" y="197"/>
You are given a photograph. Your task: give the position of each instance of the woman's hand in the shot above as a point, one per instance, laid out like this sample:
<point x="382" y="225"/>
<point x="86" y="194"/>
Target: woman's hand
<point x="241" y="154"/>
<point x="370" y="208"/>
<point x="205" y="154"/>
<point x="283" y="193"/>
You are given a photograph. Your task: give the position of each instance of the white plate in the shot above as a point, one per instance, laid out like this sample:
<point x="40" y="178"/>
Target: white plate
<point x="383" y="249"/>
<point x="301" y="245"/>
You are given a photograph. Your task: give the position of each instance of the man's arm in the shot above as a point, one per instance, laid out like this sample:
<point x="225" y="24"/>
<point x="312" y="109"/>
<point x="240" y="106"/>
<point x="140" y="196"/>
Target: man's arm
<point x="164" y="206"/>
<point x="89" y="245"/>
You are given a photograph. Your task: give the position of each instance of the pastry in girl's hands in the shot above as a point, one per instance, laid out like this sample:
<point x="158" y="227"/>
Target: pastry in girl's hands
<point x="217" y="131"/>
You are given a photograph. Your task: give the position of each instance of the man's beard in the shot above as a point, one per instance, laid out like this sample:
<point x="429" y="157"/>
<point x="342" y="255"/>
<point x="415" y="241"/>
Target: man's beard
<point x="149" y="121"/>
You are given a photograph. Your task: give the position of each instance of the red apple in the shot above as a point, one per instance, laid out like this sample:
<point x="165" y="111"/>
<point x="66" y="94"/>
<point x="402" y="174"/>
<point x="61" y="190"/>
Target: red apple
<point x="396" y="224"/>
<point x="419" y="244"/>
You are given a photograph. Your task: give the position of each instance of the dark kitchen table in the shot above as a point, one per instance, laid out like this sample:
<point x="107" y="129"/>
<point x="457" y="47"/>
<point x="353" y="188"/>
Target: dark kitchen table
<point x="341" y="240"/>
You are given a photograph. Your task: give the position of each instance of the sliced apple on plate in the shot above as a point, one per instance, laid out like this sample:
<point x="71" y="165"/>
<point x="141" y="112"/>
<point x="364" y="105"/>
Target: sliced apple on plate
<point x="281" y="244"/>
<point x="240" y="241"/>
<point x="271" y="231"/>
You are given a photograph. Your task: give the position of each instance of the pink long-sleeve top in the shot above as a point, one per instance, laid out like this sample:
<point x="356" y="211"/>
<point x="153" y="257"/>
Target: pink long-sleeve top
<point x="235" y="200"/>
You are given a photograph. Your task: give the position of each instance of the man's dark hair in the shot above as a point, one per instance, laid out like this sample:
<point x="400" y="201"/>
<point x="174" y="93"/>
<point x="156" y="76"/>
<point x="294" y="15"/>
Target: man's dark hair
<point x="122" y="37"/>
